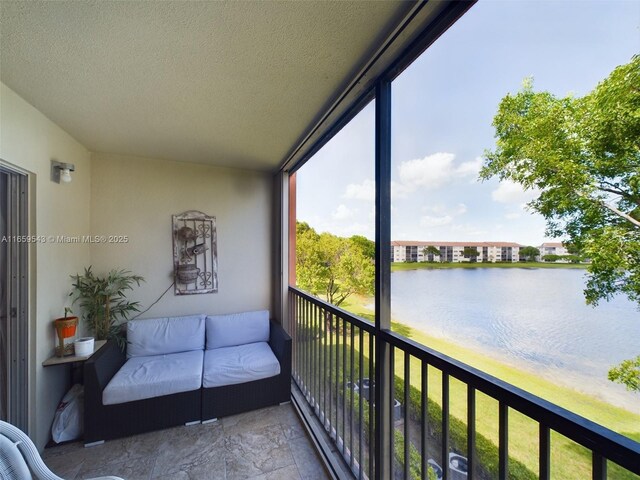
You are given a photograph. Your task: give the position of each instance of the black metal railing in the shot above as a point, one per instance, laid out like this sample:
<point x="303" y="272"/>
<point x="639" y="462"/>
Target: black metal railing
<point x="332" y="362"/>
<point x="333" y="365"/>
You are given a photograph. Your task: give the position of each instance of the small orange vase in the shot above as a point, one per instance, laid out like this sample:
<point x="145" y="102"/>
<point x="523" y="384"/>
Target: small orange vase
<point x="65" y="328"/>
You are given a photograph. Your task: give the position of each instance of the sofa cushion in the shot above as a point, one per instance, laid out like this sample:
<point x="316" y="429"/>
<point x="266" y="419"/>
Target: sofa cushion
<point x="155" y="376"/>
<point x="159" y="336"/>
<point x="240" y="364"/>
<point x="237" y="329"/>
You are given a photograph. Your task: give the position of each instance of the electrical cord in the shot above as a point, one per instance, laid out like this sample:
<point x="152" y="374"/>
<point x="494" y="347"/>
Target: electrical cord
<point x="157" y="300"/>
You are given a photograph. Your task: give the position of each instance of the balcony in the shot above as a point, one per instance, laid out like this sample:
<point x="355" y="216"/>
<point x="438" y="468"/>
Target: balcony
<point x="335" y="362"/>
<point x="163" y="109"/>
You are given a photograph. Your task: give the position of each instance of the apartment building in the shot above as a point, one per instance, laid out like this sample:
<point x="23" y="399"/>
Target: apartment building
<point x="552" y="248"/>
<point x="416" y="251"/>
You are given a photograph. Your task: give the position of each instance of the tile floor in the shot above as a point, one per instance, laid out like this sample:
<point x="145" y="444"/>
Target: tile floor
<point x="266" y="444"/>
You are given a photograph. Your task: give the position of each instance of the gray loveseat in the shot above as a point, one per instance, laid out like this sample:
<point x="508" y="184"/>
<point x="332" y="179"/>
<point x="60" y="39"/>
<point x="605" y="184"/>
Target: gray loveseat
<point x="185" y="370"/>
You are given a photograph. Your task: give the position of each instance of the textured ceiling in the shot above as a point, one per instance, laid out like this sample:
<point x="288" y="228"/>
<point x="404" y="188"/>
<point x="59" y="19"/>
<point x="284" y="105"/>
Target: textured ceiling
<point x="225" y="83"/>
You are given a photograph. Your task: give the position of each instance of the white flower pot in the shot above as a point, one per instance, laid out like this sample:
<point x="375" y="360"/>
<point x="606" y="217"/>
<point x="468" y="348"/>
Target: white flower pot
<point x="83" y="346"/>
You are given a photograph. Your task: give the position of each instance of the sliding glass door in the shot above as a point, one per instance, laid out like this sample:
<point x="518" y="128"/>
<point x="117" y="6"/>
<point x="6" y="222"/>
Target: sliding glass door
<point x="13" y="297"/>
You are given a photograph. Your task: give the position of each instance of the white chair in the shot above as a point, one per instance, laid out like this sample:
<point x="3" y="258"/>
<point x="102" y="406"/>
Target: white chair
<point x="20" y="460"/>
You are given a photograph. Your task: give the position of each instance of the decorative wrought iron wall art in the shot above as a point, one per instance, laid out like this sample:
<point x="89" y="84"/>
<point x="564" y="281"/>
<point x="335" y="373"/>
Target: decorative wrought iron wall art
<point x="195" y="255"/>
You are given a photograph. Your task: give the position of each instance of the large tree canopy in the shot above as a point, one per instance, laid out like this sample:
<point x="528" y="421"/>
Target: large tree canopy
<point x="331" y="266"/>
<point x="582" y="154"/>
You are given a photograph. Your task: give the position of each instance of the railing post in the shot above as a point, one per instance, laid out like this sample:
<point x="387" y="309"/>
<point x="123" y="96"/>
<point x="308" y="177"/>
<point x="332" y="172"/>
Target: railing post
<point x="383" y="374"/>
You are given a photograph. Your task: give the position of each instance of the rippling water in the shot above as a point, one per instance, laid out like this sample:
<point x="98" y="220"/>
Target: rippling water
<point x="536" y="318"/>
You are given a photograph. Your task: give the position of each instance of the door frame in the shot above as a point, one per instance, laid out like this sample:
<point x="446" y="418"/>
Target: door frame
<point x="18" y="354"/>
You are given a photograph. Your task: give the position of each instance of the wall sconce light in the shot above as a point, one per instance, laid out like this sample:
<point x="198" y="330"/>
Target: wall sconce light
<point x="61" y="172"/>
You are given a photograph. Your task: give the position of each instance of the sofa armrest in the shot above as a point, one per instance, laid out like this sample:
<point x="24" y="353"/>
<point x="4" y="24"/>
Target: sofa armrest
<point x="100" y="368"/>
<point x="279" y="341"/>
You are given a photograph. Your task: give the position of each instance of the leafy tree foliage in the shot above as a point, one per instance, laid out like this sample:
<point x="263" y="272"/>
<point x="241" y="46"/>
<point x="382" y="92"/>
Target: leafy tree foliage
<point x="431" y="250"/>
<point x="332" y="266"/>
<point x="552" y="257"/>
<point x="530" y="253"/>
<point x="366" y="246"/>
<point x="470" y="252"/>
<point x="627" y="373"/>
<point x="583" y="155"/>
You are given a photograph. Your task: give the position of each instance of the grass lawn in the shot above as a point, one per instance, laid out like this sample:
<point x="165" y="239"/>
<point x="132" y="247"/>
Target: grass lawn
<point x="398" y="266"/>
<point x="568" y="459"/>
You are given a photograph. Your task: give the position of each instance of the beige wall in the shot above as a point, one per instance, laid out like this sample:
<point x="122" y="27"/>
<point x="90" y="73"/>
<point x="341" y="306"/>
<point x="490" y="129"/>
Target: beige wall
<point x="29" y="141"/>
<point x="136" y="197"/>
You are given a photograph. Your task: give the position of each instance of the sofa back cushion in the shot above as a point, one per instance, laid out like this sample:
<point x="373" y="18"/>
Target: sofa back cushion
<point x="161" y="336"/>
<point x="237" y="329"/>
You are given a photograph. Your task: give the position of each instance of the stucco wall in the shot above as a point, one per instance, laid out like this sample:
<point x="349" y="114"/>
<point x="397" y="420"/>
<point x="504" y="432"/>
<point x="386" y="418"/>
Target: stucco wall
<point x="29" y="141"/>
<point x="136" y="197"/>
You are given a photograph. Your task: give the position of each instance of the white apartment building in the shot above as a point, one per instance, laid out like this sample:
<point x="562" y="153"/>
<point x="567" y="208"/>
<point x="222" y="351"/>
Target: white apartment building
<point x="552" y="248"/>
<point x="415" y="251"/>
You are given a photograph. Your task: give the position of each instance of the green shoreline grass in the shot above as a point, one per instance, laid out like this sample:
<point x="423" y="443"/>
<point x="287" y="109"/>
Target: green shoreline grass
<point x="400" y="266"/>
<point x="569" y="460"/>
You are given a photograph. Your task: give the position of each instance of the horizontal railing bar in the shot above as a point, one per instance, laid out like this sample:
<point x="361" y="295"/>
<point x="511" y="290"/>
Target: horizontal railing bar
<point x="349" y="317"/>
<point x="620" y="449"/>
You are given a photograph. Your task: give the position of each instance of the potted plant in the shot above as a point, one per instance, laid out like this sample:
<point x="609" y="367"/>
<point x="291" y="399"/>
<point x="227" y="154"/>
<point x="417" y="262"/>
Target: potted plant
<point x="104" y="301"/>
<point x="65" y="328"/>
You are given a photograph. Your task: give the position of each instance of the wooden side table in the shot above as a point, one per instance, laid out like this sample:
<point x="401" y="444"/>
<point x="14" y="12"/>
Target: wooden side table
<point x="75" y="361"/>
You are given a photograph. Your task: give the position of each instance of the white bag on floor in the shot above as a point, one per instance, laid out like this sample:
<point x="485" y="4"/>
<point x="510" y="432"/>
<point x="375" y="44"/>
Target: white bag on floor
<point x="68" y="424"/>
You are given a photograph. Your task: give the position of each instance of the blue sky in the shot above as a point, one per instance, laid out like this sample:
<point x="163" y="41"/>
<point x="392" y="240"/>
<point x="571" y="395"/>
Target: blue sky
<point x="442" y="108"/>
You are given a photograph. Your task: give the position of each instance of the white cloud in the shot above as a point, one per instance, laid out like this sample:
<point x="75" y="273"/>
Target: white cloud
<point x="361" y="191"/>
<point x="461" y="209"/>
<point x="434" y="171"/>
<point x="431" y="171"/>
<point x="512" y="216"/>
<point x="469" y="169"/>
<point x="511" y="192"/>
<point x="342" y="212"/>
<point x="437" y="209"/>
<point x="400" y="190"/>
<point x="429" y="222"/>
<point x="441" y="210"/>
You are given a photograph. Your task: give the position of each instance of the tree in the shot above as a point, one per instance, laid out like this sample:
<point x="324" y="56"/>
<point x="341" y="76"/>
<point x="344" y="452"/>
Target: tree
<point x="552" y="257"/>
<point x="431" y="250"/>
<point x="529" y="253"/>
<point x="470" y="252"/>
<point x="331" y="266"/>
<point x="572" y="258"/>
<point x="627" y="373"/>
<point x="366" y="246"/>
<point x="582" y="154"/>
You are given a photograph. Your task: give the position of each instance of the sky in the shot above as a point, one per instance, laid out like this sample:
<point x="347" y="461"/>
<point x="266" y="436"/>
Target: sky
<point x="442" y="109"/>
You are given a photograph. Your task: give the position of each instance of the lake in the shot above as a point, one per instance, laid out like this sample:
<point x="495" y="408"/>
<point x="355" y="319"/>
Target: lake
<point x="530" y="318"/>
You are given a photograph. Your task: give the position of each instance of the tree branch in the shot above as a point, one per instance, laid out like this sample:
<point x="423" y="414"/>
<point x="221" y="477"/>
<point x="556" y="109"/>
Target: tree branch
<point x="620" y="213"/>
<point x="617" y="191"/>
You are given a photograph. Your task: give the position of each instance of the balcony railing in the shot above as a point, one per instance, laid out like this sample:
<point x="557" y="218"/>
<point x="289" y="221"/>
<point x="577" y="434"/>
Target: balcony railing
<point x="333" y="365"/>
